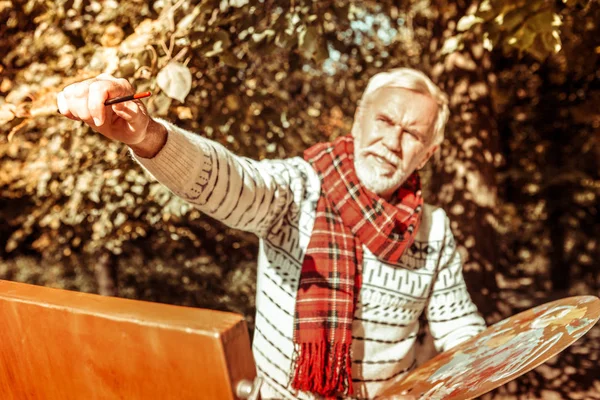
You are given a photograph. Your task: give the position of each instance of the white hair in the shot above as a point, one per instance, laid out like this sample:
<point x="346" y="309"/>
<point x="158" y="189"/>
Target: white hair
<point x="408" y="78"/>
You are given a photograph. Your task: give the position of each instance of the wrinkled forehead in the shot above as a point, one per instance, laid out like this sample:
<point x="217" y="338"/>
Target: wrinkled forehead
<point x="394" y="99"/>
<point x="398" y="94"/>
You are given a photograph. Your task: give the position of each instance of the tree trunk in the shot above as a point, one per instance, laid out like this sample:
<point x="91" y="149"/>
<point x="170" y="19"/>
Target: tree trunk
<point x="106" y="274"/>
<point x="463" y="179"/>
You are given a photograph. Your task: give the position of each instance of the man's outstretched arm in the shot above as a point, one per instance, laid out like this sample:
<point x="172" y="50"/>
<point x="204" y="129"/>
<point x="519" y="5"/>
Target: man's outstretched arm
<point x="240" y="192"/>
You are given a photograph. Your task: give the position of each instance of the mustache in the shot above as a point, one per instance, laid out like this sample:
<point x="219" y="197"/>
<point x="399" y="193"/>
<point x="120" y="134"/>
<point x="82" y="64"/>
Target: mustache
<point x="381" y="151"/>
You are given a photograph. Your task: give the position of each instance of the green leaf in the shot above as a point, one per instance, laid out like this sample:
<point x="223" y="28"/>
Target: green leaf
<point x="231" y="60"/>
<point x="522" y="39"/>
<point x="543" y="22"/>
<point x="512" y="19"/>
<point x="538" y="50"/>
<point x="322" y="52"/>
<point x="551" y="41"/>
<point x="307" y="39"/>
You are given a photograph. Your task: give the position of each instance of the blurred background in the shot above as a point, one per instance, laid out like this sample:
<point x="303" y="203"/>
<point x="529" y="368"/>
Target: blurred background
<point x="518" y="173"/>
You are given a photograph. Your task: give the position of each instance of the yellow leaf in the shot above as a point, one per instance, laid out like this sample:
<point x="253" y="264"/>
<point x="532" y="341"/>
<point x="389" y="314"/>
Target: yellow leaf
<point x="7" y="113"/>
<point x="551" y="41"/>
<point x="175" y="80"/>
<point x="512" y="19"/>
<point x="452" y="44"/>
<point x="467" y="22"/>
<point x="543" y="21"/>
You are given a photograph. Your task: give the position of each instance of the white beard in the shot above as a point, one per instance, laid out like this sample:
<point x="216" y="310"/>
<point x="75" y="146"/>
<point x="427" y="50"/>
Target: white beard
<point x="372" y="176"/>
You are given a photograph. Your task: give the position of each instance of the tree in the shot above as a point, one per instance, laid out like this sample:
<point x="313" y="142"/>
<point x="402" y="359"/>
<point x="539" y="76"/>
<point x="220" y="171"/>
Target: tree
<point x="267" y="79"/>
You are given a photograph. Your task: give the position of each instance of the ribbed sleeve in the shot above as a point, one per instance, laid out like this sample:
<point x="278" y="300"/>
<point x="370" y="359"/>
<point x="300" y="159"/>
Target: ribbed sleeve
<point x="183" y="156"/>
<point x="240" y="192"/>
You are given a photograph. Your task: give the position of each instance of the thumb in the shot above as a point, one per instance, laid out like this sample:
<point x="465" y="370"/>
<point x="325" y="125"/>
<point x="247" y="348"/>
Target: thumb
<point x="133" y="112"/>
<point x="126" y="110"/>
<point x="131" y="123"/>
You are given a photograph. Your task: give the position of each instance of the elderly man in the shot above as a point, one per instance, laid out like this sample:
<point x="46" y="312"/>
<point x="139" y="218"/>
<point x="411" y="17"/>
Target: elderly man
<point x="350" y="255"/>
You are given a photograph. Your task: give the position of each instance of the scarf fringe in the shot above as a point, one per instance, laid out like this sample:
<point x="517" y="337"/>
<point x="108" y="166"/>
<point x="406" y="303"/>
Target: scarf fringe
<point x="321" y="373"/>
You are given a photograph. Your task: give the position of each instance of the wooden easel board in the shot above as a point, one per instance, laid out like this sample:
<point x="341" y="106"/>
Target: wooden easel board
<point x="58" y="344"/>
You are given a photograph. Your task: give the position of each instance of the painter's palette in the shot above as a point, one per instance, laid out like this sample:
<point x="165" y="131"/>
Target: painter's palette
<point x="503" y="352"/>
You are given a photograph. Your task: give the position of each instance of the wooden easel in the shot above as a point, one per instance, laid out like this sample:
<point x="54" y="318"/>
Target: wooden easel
<point x="58" y="344"/>
<point x="63" y="345"/>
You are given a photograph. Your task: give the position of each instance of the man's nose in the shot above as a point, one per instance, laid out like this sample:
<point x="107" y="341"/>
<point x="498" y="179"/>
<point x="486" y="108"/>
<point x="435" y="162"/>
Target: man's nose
<point x="394" y="141"/>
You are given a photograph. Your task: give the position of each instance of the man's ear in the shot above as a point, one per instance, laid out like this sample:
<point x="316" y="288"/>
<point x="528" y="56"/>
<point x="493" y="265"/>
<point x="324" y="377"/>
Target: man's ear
<point x="428" y="155"/>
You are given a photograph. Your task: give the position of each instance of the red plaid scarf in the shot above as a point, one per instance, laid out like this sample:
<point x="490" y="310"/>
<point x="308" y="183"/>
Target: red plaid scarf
<point x="347" y="217"/>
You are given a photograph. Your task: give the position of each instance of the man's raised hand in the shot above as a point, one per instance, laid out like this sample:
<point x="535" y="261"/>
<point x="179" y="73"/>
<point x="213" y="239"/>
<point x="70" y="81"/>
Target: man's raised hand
<point x="84" y="101"/>
<point x="126" y="122"/>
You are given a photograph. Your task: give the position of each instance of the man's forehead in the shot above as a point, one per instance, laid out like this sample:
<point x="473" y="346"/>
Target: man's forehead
<point x="393" y="98"/>
<point x="395" y="93"/>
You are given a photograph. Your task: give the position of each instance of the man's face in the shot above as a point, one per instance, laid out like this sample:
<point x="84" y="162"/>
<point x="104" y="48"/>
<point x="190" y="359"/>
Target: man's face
<point x="392" y="137"/>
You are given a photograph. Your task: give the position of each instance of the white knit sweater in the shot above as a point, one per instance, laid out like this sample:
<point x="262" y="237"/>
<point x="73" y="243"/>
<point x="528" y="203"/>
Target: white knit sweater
<point x="276" y="200"/>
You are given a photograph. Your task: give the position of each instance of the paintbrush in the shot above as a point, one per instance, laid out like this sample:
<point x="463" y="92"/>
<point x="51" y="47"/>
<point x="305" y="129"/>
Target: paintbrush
<point x="122" y="99"/>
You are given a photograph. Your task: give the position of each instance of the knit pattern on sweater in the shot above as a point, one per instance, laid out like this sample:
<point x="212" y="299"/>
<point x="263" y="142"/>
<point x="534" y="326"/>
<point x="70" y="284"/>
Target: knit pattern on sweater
<point x="276" y="200"/>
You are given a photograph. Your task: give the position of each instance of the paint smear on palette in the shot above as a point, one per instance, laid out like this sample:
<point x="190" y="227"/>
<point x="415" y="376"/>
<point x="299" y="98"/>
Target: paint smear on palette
<point x="579" y="325"/>
<point x="504" y="351"/>
<point x="495" y="357"/>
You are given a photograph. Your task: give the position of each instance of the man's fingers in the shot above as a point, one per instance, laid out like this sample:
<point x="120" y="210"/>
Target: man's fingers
<point x="76" y="89"/>
<point x="123" y="111"/>
<point x="63" y="106"/>
<point x="129" y="111"/>
<point x="98" y="93"/>
<point x="107" y="77"/>
<point x="71" y="101"/>
<point x="103" y="89"/>
<point x="85" y="101"/>
<point x="133" y="113"/>
<point x="76" y="96"/>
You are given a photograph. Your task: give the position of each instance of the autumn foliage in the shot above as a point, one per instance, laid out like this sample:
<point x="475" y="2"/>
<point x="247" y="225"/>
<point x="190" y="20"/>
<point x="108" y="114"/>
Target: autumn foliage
<point x="518" y="173"/>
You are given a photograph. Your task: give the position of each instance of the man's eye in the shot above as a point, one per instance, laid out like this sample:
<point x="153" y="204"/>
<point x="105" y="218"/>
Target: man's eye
<point x="414" y="135"/>
<point x="385" y="120"/>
